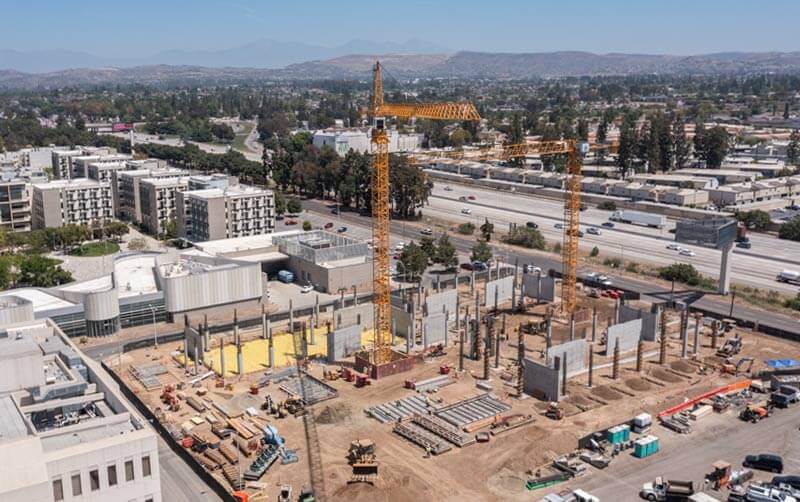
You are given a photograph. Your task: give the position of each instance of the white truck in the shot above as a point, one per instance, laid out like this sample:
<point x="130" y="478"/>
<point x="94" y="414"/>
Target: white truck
<point x="789" y="276"/>
<point x="573" y="496"/>
<point x="667" y="489"/>
<point x="639" y="218"/>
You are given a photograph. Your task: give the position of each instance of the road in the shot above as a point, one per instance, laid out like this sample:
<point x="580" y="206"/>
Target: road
<point x="756" y="267"/>
<point x="720" y="305"/>
<point x="717" y="437"/>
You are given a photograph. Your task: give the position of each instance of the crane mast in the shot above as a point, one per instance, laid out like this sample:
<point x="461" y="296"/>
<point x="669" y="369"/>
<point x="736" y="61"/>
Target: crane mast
<point x="381" y="207"/>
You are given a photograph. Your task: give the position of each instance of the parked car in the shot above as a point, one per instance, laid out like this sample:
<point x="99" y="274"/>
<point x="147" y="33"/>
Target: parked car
<point x="335" y="210"/>
<point x="306" y="288"/>
<point x="608" y="224"/>
<point x="479" y="266"/>
<point x="426" y="231"/>
<point x="687" y="252"/>
<point x="531" y="224"/>
<point x="593" y="231"/>
<point x="744" y="244"/>
<point x="290" y="222"/>
<point x="791" y="480"/>
<point x="466" y="210"/>
<point x="341" y="230"/>
<point x="400" y="246"/>
<point x="764" y="462"/>
<point x="532" y="269"/>
<point x="328" y="225"/>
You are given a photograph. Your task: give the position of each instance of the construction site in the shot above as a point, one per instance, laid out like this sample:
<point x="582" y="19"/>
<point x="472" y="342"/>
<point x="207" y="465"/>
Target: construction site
<point x="263" y="408"/>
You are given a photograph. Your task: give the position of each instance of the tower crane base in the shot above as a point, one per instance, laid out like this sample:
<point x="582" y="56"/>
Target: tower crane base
<point x="383" y="362"/>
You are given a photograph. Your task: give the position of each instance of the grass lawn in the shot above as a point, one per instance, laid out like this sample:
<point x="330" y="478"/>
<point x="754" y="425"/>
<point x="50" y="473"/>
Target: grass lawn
<point x="96" y="249"/>
<point x="238" y="142"/>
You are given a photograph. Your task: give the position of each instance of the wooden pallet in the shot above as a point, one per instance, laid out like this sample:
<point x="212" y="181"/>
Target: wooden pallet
<point x="229" y="453"/>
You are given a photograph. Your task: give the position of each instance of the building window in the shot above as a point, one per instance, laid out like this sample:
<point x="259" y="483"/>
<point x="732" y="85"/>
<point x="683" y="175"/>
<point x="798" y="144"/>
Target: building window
<point x="94" y="480"/>
<point x="112" y="475"/>
<point x="129" y="470"/>
<point x="58" y="490"/>
<point x="76" y="485"/>
<point x="146" y="465"/>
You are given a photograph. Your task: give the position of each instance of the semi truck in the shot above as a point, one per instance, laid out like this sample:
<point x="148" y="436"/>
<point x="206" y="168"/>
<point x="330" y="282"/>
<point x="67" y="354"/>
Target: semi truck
<point x="667" y="489"/>
<point x="789" y="276"/>
<point x="639" y="218"/>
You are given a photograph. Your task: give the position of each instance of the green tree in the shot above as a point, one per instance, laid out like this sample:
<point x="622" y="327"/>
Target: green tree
<point x="594" y="252"/>
<point x="681" y="272"/>
<point x="607" y="205"/>
<point x="602" y="131"/>
<point x="307" y="226"/>
<point x="294" y="206"/>
<point x="786" y="111"/>
<point x="487" y="229"/>
<point x="712" y="145"/>
<point x="793" y="150"/>
<point x="525" y="237"/>
<point x="681" y="147"/>
<point x="481" y="251"/>
<point x="755" y="219"/>
<point x="72" y="236"/>
<point x="583" y="130"/>
<point x="428" y="246"/>
<point x="790" y="230"/>
<point x="116" y="229"/>
<point x="42" y="272"/>
<point x="627" y="144"/>
<point x="414" y="259"/>
<point x="467" y="228"/>
<point x="446" y="252"/>
<point x="170" y="229"/>
<point x="280" y="203"/>
<point x="410" y="188"/>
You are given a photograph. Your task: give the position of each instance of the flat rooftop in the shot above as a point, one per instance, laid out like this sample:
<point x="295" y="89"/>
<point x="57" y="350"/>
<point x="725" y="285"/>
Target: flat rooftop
<point x="231" y="191"/>
<point x="135" y="276"/>
<point x="73" y="183"/>
<point x="252" y="243"/>
<point x="41" y="300"/>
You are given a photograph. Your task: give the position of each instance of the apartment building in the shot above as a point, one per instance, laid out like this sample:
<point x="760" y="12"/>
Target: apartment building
<point x="63" y="161"/>
<point x="215" y="213"/>
<point x="157" y="199"/>
<point x="128" y="205"/>
<point x="66" y="431"/>
<point x="80" y="165"/>
<point x="15" y="206"/>
<point x="64" y="202"/>
<point x="359" y="140"/>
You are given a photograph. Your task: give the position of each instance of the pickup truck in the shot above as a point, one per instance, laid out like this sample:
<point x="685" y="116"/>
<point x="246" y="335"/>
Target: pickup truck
<point x="668" y="489"/>
<point x="756" y="493"/>
<point x="784" y="396"/>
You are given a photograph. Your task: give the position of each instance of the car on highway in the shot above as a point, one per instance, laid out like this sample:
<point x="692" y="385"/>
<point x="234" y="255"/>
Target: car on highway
<point x="687" y="252"/>
<point x="466" y="210"/>
<point x="558" y="226"/>
<point x="400" y="246"/>
<point x="328" y="225"/>
<point x="462" y="198"/>
<point x="335" y="210"/>
<point x="307" y="288"/>
<point x="593" y="231"/>
<point x="744" y="244"/>
<point x="426" y="231"/>
<point x="532" y="269"/>
<point x="342" y="229"/>
<point x="531" y="224"/>
<point x="470" y="197"/>
<point x="764" y="462"/>
<point x="448" y="188"/>
<point x="608" y="224"/>
<point x="674" y="246"/>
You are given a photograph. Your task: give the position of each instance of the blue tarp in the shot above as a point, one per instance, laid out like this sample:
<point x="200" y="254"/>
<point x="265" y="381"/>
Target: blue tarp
<point x="782" y="363"/>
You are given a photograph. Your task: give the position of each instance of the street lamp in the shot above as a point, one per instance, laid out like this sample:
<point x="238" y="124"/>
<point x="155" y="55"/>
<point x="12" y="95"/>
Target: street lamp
<point x="155" y="326"/>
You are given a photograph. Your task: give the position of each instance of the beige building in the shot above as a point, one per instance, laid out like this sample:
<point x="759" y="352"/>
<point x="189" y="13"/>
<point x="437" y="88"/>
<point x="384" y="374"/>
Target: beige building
<point x="157" y="199"/>
<point x="684" y="197"/>
<point x="64" y="165"/>
<point x="215" y="213"/>
<point x="15" y="206"/>
<point x="65" y="202"/>
<point x="128" y="204"/>
<point x="745" y="193"/>
<point x="676" y="180"/>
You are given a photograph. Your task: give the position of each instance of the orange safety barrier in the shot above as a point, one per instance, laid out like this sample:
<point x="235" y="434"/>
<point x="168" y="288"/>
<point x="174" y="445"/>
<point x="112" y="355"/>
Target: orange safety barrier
<point x="727" y="389"/>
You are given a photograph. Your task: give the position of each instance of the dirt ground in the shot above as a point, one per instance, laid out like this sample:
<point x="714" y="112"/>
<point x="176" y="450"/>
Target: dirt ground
<point x="492" y="471"/>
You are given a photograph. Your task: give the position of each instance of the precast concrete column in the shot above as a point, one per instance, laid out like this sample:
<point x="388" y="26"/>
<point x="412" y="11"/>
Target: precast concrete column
<point x="548" y="336"/>
<point x="572" y="328"/>
<point x="196" y="360"/>
<point x="616" y="311"/>
<point x="446" y="329"/>
<point x="684" y="332"/>
<point x="270" y="350"/>
<point x="594" y="324"/>
<point x="458" y="308"/>
<point x="472" y="282"/>
<point x="615" y="367"/>
<point x="222" y="356"/>
<point x="477" y="308"/>
<point x="206" y="334"/>
<point x="696" y="344"/>
<point x="186" y="350"/>
<point x="316" y="312"/>
<point x="355" y="295"/>
<point x="394" y="329"/>
<point x="496" y="298"/>
<point x="591" y="363"/>
<point x="313" y="329"/>
<point x="291" y="316"/>
<point x="725" y="270"/>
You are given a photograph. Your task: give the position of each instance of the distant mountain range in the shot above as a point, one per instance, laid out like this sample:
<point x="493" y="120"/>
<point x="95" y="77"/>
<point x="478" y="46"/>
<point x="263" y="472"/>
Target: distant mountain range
<point x="268" y="60"/>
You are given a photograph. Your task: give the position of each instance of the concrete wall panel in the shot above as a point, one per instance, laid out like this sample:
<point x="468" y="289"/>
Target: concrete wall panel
<point x="349" y="316"/>
<point x="541" y="381"/>
<point x="343" y="342"/>
<point x="402" y="320"/>
<point x="628" y="334"/>
<point x="531" y="283"/>
<point x="649" y="321"/>
<point x="442" y="302"/>
<point x="575" y="352"/>
<point x="503" y="287"/>
<point x="434" y="329"/>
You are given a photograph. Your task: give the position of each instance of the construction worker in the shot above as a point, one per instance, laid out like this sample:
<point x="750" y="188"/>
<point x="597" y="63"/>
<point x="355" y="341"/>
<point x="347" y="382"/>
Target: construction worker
<point x="427" y="452"/>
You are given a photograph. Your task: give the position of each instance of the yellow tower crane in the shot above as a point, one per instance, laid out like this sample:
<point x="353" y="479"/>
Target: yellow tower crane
<point x="380" y="195"/>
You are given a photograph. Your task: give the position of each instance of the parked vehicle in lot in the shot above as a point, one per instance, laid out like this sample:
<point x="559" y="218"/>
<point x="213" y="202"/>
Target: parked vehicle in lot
<point x="608" y="224"/>
<point x="687" y="252"/>
<point x="593" y="231"/>
<point x="789" y="276"/>
<point x="400" y="246"/>
<point x="466" y="210"/>
<point x="667" y="489"/>
<point x="593" y="278"/>
<point x="764" y="462"/>
<point x="426" y="231"/>
<point x="531" y="224"/>
<point x="744" y="244"/>
<point x="639" y="218"/>
<point x="286" y="276"/>
<point x="328" y="225"/>
<point x="757" y="493"/>
<point x="790" y="480"/>
<point x="341" y="230"/>
<point x="784" y="396"/>
<point x="335" y="210"/>
<point x="307" y="288"/>
<point x="290" y="222"/>
<point x="532" y="269"/>
<point x="479" y="266"/>
<point x="570" y="496"/>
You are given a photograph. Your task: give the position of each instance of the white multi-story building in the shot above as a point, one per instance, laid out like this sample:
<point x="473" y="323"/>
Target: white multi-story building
<point x="342" y="141"/>
<point x="216" y="213"/>
<point x="157" y="198"/>
<point x="66" y="431"/>
<point x="66" y="202"/>
<point x="63" y="161"/>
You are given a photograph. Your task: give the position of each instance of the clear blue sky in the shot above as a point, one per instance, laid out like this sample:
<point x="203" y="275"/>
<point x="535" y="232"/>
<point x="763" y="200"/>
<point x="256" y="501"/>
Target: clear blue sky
<point x="142" y="27"/>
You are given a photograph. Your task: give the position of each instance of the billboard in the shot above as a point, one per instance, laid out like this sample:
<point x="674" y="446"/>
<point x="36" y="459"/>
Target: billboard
<point x="715" y="232"/>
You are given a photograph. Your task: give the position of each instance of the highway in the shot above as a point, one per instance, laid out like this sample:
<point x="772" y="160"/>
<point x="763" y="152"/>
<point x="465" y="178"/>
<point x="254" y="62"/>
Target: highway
<point x="756" y="267"/>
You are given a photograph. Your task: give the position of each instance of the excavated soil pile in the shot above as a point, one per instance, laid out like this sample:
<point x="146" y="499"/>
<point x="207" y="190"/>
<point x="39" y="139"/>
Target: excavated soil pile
<point x="665" y="375"/>
<point x="638" y="384"/>
<point x="682" y="366"/>
<point x="334" y="414"/>
<point x="606" y="393"/>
